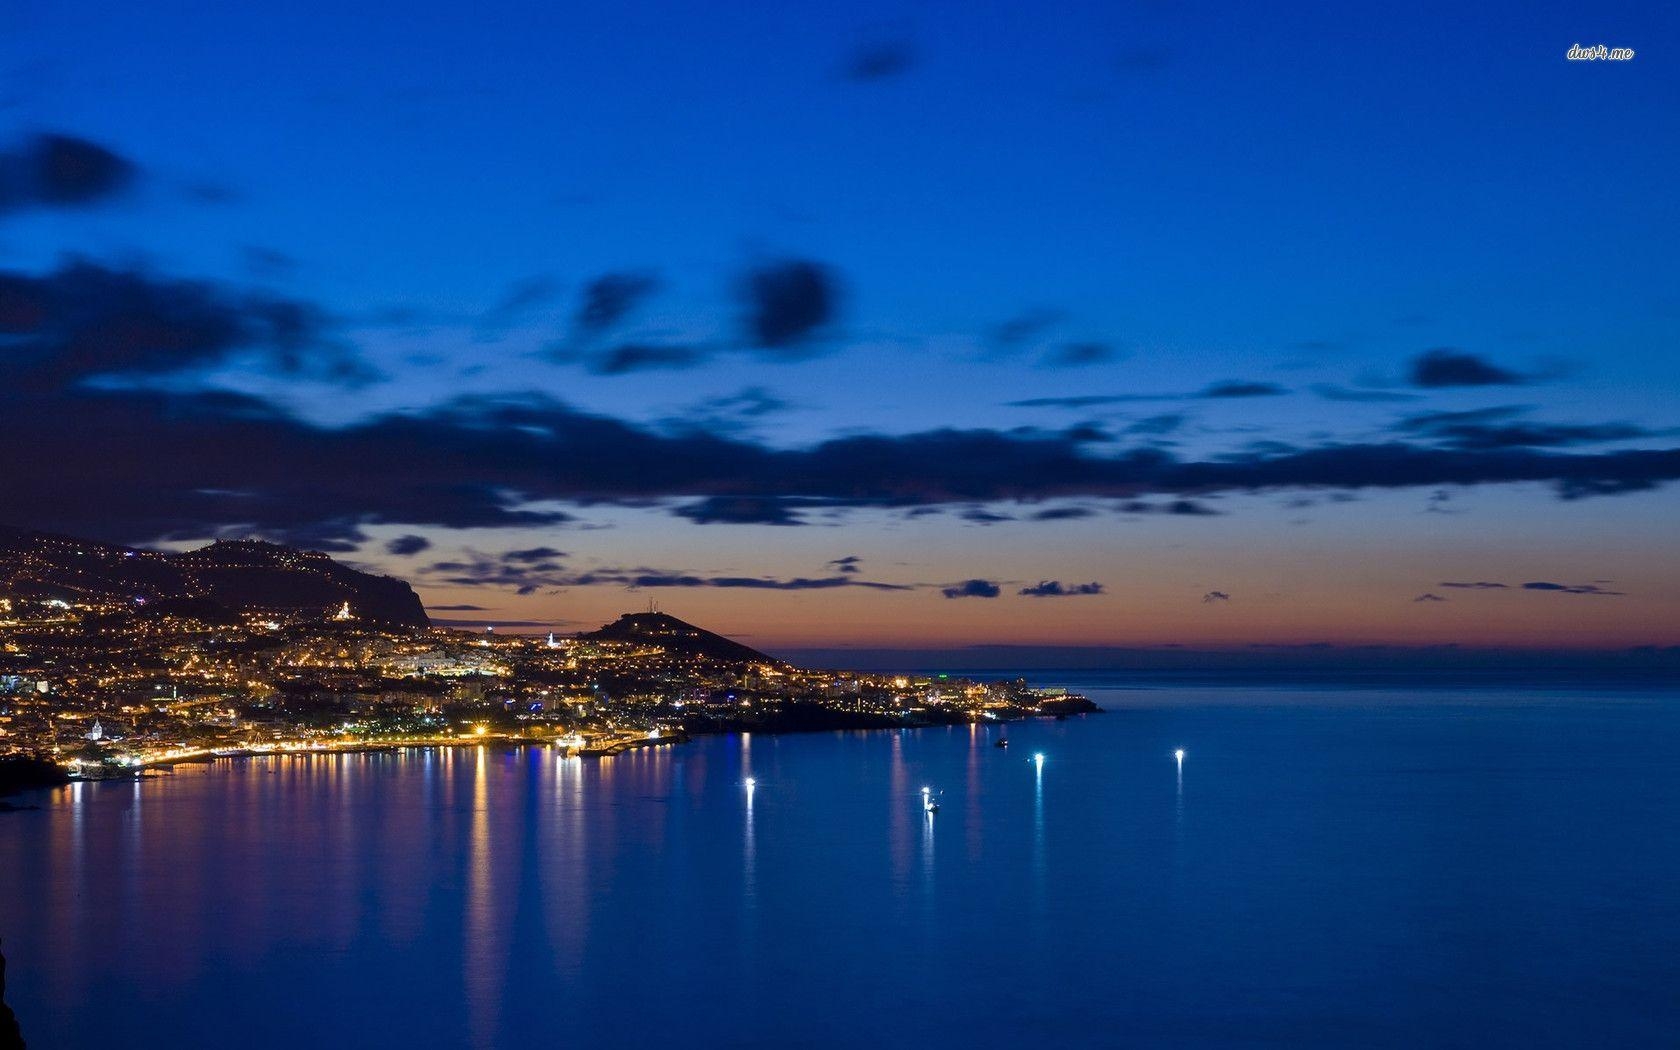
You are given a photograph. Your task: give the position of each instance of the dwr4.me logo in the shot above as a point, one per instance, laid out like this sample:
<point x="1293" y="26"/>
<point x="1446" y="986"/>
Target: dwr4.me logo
<point x="1600" y="53"/>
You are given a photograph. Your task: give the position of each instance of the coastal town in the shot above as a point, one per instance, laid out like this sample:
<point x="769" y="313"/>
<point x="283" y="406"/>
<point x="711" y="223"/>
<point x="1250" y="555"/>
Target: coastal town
<point x="103" y="682"/>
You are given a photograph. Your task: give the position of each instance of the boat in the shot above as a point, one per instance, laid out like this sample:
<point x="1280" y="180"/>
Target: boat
<point x="930" y="804"/>
<point x="1001" y="743"/>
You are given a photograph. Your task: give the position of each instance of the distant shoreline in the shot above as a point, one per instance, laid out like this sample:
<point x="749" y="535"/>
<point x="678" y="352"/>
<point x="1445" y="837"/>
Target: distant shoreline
<point x="596" y="750"/>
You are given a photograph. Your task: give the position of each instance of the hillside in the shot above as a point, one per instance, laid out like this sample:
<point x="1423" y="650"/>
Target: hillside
<point x="235" y="575"/>
<point x="654" y="628"/>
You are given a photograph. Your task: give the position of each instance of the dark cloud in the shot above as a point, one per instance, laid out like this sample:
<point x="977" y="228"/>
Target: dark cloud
<point x="521" y="575"/>
<point x="1582" y="588"/>
<point x="788" y="303"/>
<point x="643" y="357"/>
<point x="1399" y="465"/>
<point x="1078" y="355"/>
<point x="880" y="60"/>
<point x="329" y="537"/>
<point x="655" y="579"/>
<point x="645" y="579"/>
<point x="1240" y="388"/>
<point x="742" y="510"/>
<point x="86" y="320"/>
<point x="1587" y="488"/>
<point x="531" y="555"/>
<point x="1448" y="367"/>
<point x="1190" y="508"/>
<point x="1539" y="585"/>
<point x="267" y="263"/>
<point x="518" y="300"/>
<point x="1055" y="589"/>
<point x="1184" y="507"/>
<point x="751" y="402"/>
<point x="1063" y="513"/>
<point x="851" y="563"/>
<point x="1082" y="400"/>
<point x="1226" y="390"/>
<point x="610" y="298"/>
<point x="1438" y="503"/>
<point x="1166" y="423"/>
<point x="803" y="584"/>
<point x="457" y="608"/>
<point x="1429" y="598"/>
<point x="213" y="461"/>
<point x="60" y="171"/>
<point x="1086" y="433"/>
<point x="982" y="516"/>
<point x="1024" y="328"/>
<point x="406" y="546"/>
<point x="973" y="589"/>
<point x="1332" y="392"/>
<point x="1433" y="421"/>
<point x="1215" y="596"/>
<point x="1496" y="428"/>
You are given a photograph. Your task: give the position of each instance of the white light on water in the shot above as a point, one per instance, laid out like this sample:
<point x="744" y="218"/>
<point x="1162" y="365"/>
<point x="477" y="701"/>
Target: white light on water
<point x="1038" y="756"/>
<point x="1179" y="754"/>
<point x="751" y="783"/>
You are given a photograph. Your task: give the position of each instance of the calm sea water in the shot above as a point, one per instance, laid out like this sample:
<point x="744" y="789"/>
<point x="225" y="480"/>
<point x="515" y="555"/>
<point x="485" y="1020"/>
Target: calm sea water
<point x="1378" y="866"/>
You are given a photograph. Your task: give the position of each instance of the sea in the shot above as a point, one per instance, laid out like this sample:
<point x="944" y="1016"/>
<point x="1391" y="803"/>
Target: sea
<point x="1392" y="861"/>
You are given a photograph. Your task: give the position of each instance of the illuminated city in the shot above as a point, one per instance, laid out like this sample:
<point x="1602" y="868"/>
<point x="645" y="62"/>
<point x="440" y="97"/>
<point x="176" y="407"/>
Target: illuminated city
<point x="786" y="526"/>
<point x="105" y="687"/>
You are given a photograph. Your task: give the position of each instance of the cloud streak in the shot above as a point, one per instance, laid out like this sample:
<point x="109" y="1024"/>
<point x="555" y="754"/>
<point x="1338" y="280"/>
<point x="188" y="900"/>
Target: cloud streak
<point x="1231" y="389"/>
<point x="61" y="171"/>
<point x="1450" y="367"/>
<point x="880" y="60"/>
<point x="1544" y="586"/>
<point x="611" y="298"/>
<point x="217" y="460"/>
<point x="972" y="589"/>
<point x="1056" y="589"/>
<point x="86" y="320"/>
<point x="1579" y="588"/>
<point x="1498" y="428"/>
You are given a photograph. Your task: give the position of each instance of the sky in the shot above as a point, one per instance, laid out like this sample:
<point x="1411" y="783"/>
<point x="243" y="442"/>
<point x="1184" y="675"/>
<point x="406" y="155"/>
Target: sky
<point x="868" y="325"/>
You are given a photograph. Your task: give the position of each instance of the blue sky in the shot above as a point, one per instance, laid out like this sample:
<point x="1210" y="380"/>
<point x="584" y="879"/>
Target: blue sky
<point x="1306" y="198"/>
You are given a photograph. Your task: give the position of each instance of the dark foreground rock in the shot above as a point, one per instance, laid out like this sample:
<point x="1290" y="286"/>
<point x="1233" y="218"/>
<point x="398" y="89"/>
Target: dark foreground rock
<point x="21" y="773"/>
<point x="11" y="1036"/>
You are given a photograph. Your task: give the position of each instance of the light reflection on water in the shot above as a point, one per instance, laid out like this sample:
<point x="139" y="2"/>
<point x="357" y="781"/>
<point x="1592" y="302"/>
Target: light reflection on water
<point x="1463" y="871"/>
<point x="483" y="977"/>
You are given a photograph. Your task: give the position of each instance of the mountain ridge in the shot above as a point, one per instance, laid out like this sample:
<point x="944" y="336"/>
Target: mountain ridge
<point x="666" y="631"/>
<point x="242" y="576"/>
